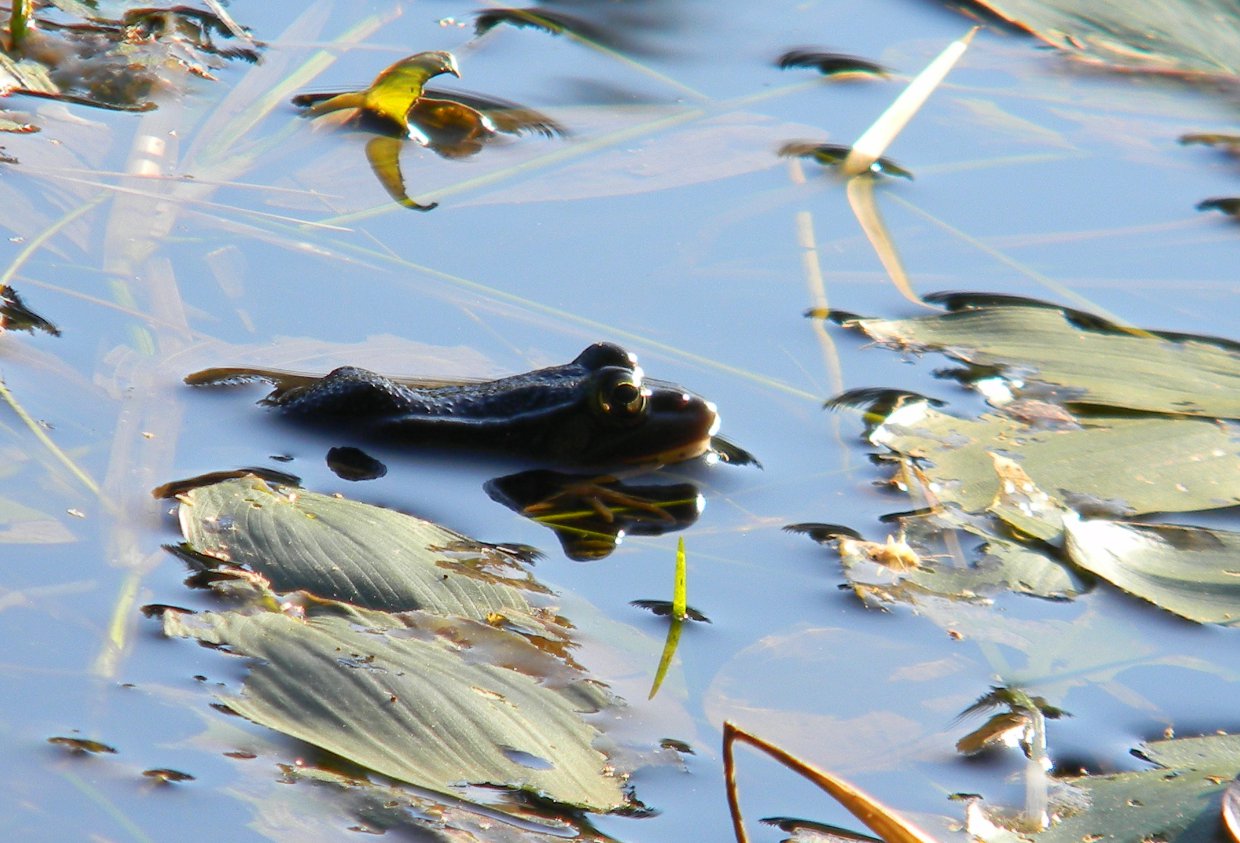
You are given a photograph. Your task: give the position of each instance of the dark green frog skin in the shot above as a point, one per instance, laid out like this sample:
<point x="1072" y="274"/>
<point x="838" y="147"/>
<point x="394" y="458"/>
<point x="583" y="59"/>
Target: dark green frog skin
<point x="597" y="410"/>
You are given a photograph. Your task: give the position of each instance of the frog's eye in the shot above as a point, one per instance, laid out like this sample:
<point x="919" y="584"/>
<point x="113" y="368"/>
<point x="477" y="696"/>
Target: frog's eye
<point x="622" y="396"/>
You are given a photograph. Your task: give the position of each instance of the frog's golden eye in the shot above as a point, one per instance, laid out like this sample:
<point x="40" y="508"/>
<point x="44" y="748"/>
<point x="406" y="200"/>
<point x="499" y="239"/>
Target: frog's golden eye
<point x="621" y="395"/>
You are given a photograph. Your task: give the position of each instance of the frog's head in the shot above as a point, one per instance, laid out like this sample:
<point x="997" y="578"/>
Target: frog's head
<point x="622" y="417"/>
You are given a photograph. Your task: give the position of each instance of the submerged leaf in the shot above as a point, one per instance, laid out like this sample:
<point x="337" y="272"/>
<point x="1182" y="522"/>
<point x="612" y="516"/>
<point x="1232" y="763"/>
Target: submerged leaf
<point x="1191" y="571"/>
<point x="404" y="699"/>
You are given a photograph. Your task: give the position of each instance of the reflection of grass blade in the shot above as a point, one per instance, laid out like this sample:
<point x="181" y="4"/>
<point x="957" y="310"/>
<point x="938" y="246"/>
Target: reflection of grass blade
<point x="875" y="140"/>
<point x="383" y="153"/>
<point x="665" y="660"/>
<point x="877" y="817"/>
<point x="861" y="200"/>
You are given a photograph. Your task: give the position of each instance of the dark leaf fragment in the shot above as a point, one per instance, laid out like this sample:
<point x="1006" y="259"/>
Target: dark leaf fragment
<point x="1229" y="205"/>
<point x="833" y="155"/>
<point x="547" y="20"/>
<point x="15" y="316"/>
<point x="664" y="608"/>
<point x="831" y="64"/>
<point x="823" y="533"/>
<point x="82" y="745"/>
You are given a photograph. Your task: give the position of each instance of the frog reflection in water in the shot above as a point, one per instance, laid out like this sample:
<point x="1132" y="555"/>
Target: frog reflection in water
<point x="598" y="410"/>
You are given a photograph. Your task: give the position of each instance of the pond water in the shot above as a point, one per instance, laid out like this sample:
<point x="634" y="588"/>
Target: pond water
<point x="666" y="222"/>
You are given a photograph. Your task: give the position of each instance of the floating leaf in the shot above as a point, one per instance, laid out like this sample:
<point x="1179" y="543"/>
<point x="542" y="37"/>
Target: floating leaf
<point x="1189" y="36"/>
<point x="1117" y="464"/>
<point x="1128" y="368"/>
<point x="404" y="697"/>
<point x="1179" y="801"/>
<point x="344" y="550"/>
<point x="831" y="64"/>
<point x="1191" y="571"/>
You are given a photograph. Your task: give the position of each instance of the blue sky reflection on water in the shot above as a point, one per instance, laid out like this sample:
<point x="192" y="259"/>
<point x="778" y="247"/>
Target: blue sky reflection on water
<point x="678" y="240"/>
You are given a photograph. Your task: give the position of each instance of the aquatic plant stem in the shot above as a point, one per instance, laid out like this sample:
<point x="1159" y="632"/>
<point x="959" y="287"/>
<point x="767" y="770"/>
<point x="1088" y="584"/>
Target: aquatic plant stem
<point x="19" y="23"/>
<point x="877" y="817"/>
<point x="860" y="190"/>
<point x="679" y="585"/>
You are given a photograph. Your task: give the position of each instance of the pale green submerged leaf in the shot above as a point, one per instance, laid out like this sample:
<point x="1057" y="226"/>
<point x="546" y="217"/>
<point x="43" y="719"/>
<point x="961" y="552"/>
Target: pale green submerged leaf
<point x="1124" y="465"/>
<point x="1105" y="367"/>
<point x="406" y="701"/>
<point x="1193" y="572"/>
<point x="344" y="550"/>
<point x="1186" y="36"/>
